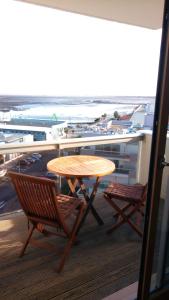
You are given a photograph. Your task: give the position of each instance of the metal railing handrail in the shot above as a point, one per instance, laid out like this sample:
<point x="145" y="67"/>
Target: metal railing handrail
<point x="61" y="144"/>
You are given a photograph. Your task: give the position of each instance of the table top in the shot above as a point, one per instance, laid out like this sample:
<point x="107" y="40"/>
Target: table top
<point x="81" y="166"/>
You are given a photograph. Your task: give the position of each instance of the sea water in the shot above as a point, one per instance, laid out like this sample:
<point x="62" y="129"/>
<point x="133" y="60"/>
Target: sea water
<point x="77" y="110"/>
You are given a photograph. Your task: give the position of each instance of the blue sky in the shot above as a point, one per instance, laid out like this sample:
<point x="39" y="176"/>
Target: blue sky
<point x="49" y="52"/>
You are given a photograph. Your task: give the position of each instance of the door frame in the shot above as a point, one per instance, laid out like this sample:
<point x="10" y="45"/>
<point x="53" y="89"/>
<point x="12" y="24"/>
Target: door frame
<point x="156" y="167"/>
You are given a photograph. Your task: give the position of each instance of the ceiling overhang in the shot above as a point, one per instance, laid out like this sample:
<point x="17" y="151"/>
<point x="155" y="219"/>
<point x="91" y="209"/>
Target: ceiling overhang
<point x="144" y="13"/>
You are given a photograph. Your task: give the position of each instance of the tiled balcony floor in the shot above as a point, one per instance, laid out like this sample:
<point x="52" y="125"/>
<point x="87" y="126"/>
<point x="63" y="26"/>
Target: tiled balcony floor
<point x="98" y="266"/>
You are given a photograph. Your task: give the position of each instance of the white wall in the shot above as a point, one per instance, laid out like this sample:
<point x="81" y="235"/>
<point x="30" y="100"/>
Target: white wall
<point x="28" y="138"/>
<point x="143" y="162"/>
<point x="144" y="157"/>
<point x="148" y="120"/>
<point x="138" y="118"/>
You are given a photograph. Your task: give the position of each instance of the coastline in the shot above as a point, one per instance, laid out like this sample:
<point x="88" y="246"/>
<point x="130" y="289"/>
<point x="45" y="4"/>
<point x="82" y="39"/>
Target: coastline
<point x="8" y="100"/>
<point x="71" y="109"/>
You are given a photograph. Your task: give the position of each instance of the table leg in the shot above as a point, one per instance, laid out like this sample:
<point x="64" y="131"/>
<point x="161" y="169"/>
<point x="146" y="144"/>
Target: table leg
<point x="89" y="201"/>
<point x="72" y="185"/>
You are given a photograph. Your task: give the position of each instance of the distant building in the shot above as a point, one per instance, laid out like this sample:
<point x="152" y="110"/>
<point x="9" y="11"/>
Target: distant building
<point x="13" y="138"/>
<point x="148" y="120"/>
<point x="123" y="123"/>
<point x="138" y="116"/>
<point x="40" y="129"/>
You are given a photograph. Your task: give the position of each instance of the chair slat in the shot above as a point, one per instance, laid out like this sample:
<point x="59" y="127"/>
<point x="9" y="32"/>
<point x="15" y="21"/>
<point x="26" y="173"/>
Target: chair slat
<point x="43" y="206"/>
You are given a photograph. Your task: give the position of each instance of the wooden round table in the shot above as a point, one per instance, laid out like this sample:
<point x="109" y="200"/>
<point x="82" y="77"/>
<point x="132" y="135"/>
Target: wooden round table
<point x="77" y="167"/>
<point x="81" y="166"/>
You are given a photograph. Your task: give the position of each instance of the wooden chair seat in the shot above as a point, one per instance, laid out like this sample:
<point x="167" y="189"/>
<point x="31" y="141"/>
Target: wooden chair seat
<point x="125" y="192"/>
<point x="45" y="207"/>
<point x="67" y="204"/>
<point x="133" y="197"/>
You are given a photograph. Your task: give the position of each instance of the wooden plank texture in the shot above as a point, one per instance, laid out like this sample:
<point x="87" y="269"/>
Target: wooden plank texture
<point x="98" y="266"/>
<point x="81" y="166"/>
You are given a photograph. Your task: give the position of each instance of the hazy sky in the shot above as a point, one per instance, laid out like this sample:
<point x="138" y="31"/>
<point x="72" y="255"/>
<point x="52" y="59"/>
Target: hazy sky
<point x="49" y="52"/>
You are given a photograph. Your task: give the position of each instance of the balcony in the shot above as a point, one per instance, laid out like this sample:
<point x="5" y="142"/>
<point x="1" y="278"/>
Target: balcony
<point x="100" y="265"/>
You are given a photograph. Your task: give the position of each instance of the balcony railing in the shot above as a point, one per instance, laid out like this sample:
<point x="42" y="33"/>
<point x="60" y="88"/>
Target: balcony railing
<point x="111" y="147"/>
<point x="100" y="146"/>
<point x="61" y="144"/>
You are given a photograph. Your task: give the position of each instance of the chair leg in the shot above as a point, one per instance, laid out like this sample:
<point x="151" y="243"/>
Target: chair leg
<point x="115" y="226"/>
<point x="123" y="209"/>
<point x="27" y="241"/>
<point x="135" y="227"/>
<point x="125" y="218"/>
<point x="72" y="238"/>
<point x="65" y="255"/>
<point x="119" y="213"/>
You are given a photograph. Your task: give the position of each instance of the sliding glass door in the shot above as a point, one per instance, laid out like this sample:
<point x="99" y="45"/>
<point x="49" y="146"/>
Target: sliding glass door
<point x="154" y="271"/>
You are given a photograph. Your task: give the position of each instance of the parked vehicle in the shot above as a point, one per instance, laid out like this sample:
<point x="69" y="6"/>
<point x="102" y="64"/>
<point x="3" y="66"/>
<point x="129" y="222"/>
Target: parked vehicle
<point x="37" y="155"/>
<point x="23" y="162"/>
<point x="35" y="158"/>
<point x="31" y="159"/>
<point x="51" y="175"/>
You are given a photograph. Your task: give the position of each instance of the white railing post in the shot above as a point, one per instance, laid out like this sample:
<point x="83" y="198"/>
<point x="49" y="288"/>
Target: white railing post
<point x="139" y="162"/>
<point x="60" y="177"/>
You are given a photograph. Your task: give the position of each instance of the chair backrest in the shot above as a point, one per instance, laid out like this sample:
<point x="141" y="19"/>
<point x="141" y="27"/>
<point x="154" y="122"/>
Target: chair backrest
<point x="37" y="196"/>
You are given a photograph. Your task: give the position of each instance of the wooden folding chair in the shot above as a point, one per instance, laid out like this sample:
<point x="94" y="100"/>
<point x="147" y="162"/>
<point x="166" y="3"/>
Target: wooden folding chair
<point x="43" y="207"/>
<point x="133" y="197"/>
